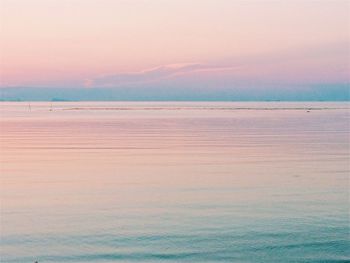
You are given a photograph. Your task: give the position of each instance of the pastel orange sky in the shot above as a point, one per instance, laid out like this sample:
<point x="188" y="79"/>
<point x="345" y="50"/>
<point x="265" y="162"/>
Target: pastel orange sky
<point x="107" y="43"/>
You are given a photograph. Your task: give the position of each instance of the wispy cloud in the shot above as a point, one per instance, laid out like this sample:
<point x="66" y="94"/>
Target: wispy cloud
<point x="152" y="74"/>
<point x="314" y="64"/>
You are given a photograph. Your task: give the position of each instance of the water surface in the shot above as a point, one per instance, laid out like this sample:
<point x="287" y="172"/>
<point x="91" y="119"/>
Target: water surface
<point x="174" y="182"/>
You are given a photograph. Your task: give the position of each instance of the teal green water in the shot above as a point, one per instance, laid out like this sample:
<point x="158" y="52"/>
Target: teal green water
<point x="175" y="182"/>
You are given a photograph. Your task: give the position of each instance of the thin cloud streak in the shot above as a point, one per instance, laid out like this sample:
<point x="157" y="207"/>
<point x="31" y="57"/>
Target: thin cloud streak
<point x="316" y="64"/>
<point x="153" y="74"/>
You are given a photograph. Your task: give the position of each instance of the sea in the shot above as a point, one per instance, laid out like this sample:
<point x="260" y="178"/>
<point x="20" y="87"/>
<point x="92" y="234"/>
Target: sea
<point x="174" y="182"/>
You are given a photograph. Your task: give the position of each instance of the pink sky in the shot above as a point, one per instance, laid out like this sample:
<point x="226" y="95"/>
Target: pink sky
<point x="108" y="43"/>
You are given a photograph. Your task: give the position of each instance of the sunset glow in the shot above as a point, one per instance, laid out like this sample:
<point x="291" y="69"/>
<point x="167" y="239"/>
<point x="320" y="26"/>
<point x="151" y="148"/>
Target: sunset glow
<point x="89" y="43"/>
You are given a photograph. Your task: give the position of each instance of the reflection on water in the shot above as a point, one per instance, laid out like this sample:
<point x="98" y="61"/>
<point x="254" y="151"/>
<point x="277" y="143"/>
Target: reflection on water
<point x="177" y="182"/>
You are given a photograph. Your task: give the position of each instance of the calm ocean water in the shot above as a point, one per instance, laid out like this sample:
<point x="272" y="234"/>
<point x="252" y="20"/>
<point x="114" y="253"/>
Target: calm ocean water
<point x="174" y="182"/>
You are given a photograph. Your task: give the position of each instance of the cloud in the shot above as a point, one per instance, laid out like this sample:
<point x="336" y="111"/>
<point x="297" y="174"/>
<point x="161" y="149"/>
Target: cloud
<point x="308" y="65"/>
<point x="151" y="75"/>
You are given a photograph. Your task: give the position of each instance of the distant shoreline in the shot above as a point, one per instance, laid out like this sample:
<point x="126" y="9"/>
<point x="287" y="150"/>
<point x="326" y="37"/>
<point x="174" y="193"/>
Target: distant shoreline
<point x="179" y="101"/>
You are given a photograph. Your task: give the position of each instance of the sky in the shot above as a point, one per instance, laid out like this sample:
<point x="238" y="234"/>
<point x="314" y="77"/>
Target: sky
<point x="167" y="45"/>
